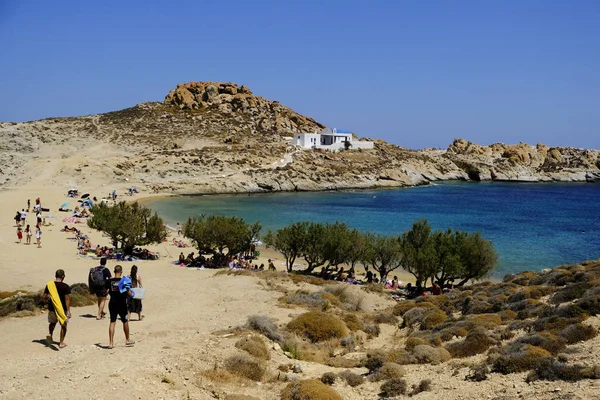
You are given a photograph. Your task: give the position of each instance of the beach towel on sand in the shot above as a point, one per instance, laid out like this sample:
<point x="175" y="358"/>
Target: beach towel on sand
<point x="58" y="307"/>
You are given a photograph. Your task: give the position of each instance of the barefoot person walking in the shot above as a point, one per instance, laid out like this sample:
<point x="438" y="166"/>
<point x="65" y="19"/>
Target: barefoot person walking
<point x="59" y="306"/>
<point x="117" y="306"/>
<point x="97" y="283"/>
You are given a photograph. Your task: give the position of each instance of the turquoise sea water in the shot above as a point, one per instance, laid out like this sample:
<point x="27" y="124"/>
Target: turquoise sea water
<point x="532" y="225"/>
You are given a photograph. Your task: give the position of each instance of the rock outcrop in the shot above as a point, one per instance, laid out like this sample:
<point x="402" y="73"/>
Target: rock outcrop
<point x="210" y="137"/>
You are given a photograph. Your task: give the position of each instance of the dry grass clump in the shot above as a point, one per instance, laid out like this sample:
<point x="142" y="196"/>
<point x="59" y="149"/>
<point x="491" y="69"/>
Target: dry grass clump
<point x="374" y="361"/>
<point x="590" y="301"/>
<point x="507" y="315"/>
<point x="387" y="371"/>
<point x="553" y="323"/>
<point x="310" y="389"/>
<point x="413" y="316"/>
<point x="450" y="332"/>
<point x="266" y="326"/>
<point x="433" y="318"/>
<point x="254" y="346"/>
<point x="318" y="326"/>
<point x="81" y="296"/>
<point x="518" y="359"/>
<point x="413" y="341"/>
<point x="578" y="333"/>
<point x="393" y="388"/>
<point x="477" y="341"/>
<point x="475" y="306"/>
<point x="245" y="366"/>
<point x="552" y="370"/>
<point x="425" y="354"/>
<point x="570" y="292"/>
<point x="400" y="356"/>
<point x="351" y="378"/>
<point x="328" y="378"/>
<point x="546" y="340"/>
<point x="219" y="375"/>
<point x="531" y="292"/>
<point x="372" y="330"/>
<point x="485" y="321"/>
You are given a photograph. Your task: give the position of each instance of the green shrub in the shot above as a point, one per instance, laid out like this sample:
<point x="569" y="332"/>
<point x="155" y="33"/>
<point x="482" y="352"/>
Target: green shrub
<point x="477" y="341"/>
<point x="351" y="378"/>
<point x="25" y="302"/>
<point x="393" y="388"/>
<point x="311" y="389"/>
<point x="245" y="366"/>
<point x="254" y="346"/>
<point x="578" y="333"/>
<point x="318" y="326"/>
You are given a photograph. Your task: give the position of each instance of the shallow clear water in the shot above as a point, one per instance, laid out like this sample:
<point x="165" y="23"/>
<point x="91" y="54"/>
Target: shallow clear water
<point x="532" y="225"/>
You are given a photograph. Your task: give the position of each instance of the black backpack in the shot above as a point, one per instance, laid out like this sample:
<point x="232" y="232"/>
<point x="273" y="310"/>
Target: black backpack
<point x="97" y="278"/>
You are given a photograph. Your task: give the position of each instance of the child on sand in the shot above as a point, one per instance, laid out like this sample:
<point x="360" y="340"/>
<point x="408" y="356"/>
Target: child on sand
<point x="19" y="234"/>
<point x="38" y="236"/>
<point x="27" y="235"/>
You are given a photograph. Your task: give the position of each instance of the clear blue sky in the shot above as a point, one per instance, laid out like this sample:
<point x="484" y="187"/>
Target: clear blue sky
<point x="414" y="73"/>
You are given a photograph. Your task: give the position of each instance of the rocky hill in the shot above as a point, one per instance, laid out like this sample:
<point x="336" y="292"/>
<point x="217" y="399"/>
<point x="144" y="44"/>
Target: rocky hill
<point x="211" y="137"/>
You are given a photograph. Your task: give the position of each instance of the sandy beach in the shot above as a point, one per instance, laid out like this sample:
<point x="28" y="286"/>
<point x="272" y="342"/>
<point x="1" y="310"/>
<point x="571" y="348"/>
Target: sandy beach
<point x="187" y="315"/>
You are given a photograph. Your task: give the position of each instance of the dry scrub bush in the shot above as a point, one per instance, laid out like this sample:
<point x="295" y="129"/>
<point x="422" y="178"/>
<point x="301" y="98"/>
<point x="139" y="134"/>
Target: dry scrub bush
<point x="374" y="361"/>
<point x="219" y="375"/>
<point x="328" y="378"/>
<point x="372" y="330"/>
<point x="80" y="295"/>
<point x="305" y="298"/>
<point x="341" y="362"/>
<point x="400" y="356"/>
<point x="425" y="354"/>
<point x="531" y="292"/>
<point x="412" y="342"/>
<point x="451" y="332"/>
<point x="525" y="358"/>
<point x="351" y="378"/>
<point x="387" y="371"/>
<point x="547" y="341"/>
<point x="352" y="322"/>
<point x="477" y="341"/>
<point x="26" y="302"/>
<point x="374" y="288"/>
<point x="507" y="315"/>
<point x="474" y="306"/>
<point x="570" y="292"/>
<point x="401" y="308"/>
<point x="266" y="326"/>
<point x="433" y="318"/>
<point x="349" y="298"/>
<point x="413" y="316"/>
<point x="578" y="333"/>
<point x="590" y="301"/>
<point x="552" y="370"/>
<point x="311" y="389"/>
<point x="423" y="386"/>
<point x="393" y="388"/>
<point x="478" y="373"/>
<point x="254" y="346"/>
<point x="485" y="321"/>
<point x="553" y="324"/>
<point x="382" y="318"/>
<point x="310" y="279"/>
<point x="245" y="366"/>
<point x="240" y="397"/>
<point x="318" y="326"/>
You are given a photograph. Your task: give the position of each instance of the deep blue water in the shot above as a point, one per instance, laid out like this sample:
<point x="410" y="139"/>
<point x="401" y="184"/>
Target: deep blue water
<point x="532" y="225"/>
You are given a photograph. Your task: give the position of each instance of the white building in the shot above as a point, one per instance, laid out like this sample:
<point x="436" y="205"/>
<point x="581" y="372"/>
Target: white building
<point x="332" y="140"/>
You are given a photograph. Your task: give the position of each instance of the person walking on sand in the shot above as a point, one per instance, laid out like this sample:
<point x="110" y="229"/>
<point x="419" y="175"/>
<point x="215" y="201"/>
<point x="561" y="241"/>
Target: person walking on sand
<point x="135" y="305"/>
<point x="117" y="306"/>
<point x="38" y="236"/>
<point x="97" y="279"/>
<point x="179" y="231"/>
<point x="28" y="204"/>
<point x="19" y="234"/>
<point x="28" y="234"/>
<point x="59" y="306"/>
<point x="17" y="219"/>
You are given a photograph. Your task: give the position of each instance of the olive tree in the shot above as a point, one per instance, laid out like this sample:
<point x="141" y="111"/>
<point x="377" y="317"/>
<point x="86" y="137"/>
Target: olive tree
<point x="129" y="224"/>
<point x="478" y="257"/>
<point x="383" y="253"/>
<point x="213" y="234"/>
<point x="289" y="241"/>
<point x="418" y="252"/>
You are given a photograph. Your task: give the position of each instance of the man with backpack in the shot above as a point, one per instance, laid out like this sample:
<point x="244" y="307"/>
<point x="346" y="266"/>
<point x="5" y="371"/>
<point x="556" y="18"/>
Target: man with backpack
<point x="97" y="282"/>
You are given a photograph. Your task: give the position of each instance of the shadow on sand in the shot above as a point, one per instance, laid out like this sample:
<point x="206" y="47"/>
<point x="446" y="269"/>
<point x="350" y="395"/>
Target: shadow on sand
<point x="87" y="316"/>
<point x="45" y="343"/>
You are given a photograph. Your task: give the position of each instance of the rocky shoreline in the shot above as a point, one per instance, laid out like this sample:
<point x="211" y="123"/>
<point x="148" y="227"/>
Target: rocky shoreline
<point x="210" y="137"/>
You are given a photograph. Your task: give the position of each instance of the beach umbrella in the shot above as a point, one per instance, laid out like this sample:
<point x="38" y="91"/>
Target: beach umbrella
<point x="65" y="204"/>
<point x="86" y="195"/>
